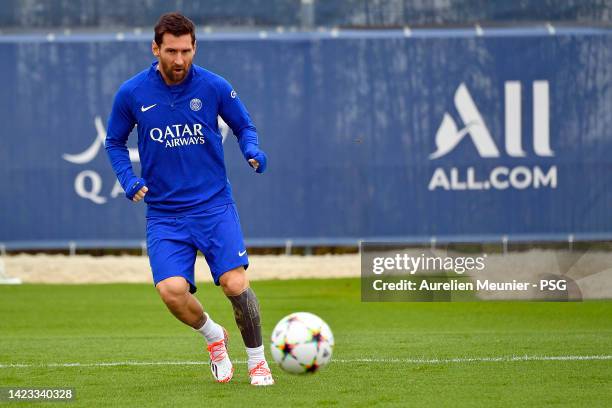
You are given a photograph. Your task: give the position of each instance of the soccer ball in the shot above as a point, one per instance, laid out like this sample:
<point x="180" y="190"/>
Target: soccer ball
<point x="302" y="343"/>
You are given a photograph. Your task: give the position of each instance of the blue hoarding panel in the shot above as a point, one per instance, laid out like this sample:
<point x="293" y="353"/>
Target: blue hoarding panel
<point x="33" y="14"/>
<point x="368" y="134"/>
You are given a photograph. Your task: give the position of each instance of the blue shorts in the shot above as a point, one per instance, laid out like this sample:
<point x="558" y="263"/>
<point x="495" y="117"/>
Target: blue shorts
<point x="172" y="244"/>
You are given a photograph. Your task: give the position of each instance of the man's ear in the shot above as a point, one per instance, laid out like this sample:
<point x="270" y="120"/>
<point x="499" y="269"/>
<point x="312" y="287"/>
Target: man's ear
<point x="195" y="43"/>
<point x="155" y="48"/>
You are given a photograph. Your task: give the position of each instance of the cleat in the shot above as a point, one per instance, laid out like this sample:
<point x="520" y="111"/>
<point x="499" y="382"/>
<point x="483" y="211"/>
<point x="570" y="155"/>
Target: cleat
<point x="261" y="374"/>
<point x="220" y="364"/>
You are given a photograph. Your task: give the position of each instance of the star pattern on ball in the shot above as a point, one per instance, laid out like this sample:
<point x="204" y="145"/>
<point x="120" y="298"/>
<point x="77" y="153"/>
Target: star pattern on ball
<point x="311" y="368"/>
<point x="317" y="337"/>
<point x="287" y="349"/>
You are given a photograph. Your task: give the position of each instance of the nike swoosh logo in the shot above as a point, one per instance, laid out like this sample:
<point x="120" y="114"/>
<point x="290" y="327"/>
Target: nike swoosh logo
<point x="144" y="109"/>
<point x="242" y="253"/>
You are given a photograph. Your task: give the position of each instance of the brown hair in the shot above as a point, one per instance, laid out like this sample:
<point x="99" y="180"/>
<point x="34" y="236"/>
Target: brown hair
<point x="175" y="24"/>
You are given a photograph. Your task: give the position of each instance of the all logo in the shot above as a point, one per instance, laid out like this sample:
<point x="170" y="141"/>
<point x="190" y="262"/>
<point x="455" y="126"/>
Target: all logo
<point x="450" y="134"/>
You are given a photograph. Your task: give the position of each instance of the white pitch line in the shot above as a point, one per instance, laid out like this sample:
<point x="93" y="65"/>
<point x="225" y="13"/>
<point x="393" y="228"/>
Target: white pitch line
<point x="506" y="359"/>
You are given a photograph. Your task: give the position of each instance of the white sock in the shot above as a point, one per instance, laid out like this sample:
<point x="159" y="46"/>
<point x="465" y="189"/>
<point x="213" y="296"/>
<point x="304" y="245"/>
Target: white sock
<point x="256" y="355"/>
<point x="211" y="331"/>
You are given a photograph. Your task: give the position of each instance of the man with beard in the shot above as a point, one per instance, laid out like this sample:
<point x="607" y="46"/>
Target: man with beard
<point x="184" y="184"/>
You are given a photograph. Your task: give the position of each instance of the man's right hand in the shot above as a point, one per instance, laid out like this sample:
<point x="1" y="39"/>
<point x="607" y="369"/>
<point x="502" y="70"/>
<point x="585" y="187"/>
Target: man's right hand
<point x="137" y="190"/>
<point x="140" y="194"/>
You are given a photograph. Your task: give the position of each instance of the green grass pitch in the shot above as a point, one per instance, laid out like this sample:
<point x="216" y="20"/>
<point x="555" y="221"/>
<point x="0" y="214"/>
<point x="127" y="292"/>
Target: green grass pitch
<point x="383" y="354"/>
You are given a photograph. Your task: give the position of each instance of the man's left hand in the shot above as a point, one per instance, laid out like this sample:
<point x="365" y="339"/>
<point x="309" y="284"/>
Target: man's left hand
<point x="259" y="162"/>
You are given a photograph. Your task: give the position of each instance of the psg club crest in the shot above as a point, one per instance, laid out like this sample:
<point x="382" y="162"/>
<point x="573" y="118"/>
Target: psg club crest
<point x="195" y="104"/>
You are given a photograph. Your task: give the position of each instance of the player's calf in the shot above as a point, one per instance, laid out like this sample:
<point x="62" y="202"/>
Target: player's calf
<point x="174" y="292"/>
<point x="246" y="313"/>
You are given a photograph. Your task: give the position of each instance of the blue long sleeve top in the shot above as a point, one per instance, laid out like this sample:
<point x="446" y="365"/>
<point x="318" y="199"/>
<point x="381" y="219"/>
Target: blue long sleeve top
<point x="179" y="141"/>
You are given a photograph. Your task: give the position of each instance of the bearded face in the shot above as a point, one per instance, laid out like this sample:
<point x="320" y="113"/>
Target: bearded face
<point x="175" y="55"/>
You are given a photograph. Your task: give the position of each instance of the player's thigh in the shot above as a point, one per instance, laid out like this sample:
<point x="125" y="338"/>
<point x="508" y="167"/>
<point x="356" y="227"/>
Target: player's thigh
<point x="171" y="251"/>
<point x="219" y="237"/>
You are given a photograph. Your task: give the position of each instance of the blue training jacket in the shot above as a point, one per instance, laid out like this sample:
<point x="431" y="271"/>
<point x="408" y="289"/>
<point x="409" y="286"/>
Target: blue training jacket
<point x="179" y="141"/>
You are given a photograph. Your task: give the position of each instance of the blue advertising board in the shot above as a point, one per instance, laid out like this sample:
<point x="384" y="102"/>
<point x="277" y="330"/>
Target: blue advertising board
<point x="375" y="134"/>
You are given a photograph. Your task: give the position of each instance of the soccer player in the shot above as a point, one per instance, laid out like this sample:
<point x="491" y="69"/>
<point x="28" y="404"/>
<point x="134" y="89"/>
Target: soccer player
<point x="175" y="104"/>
